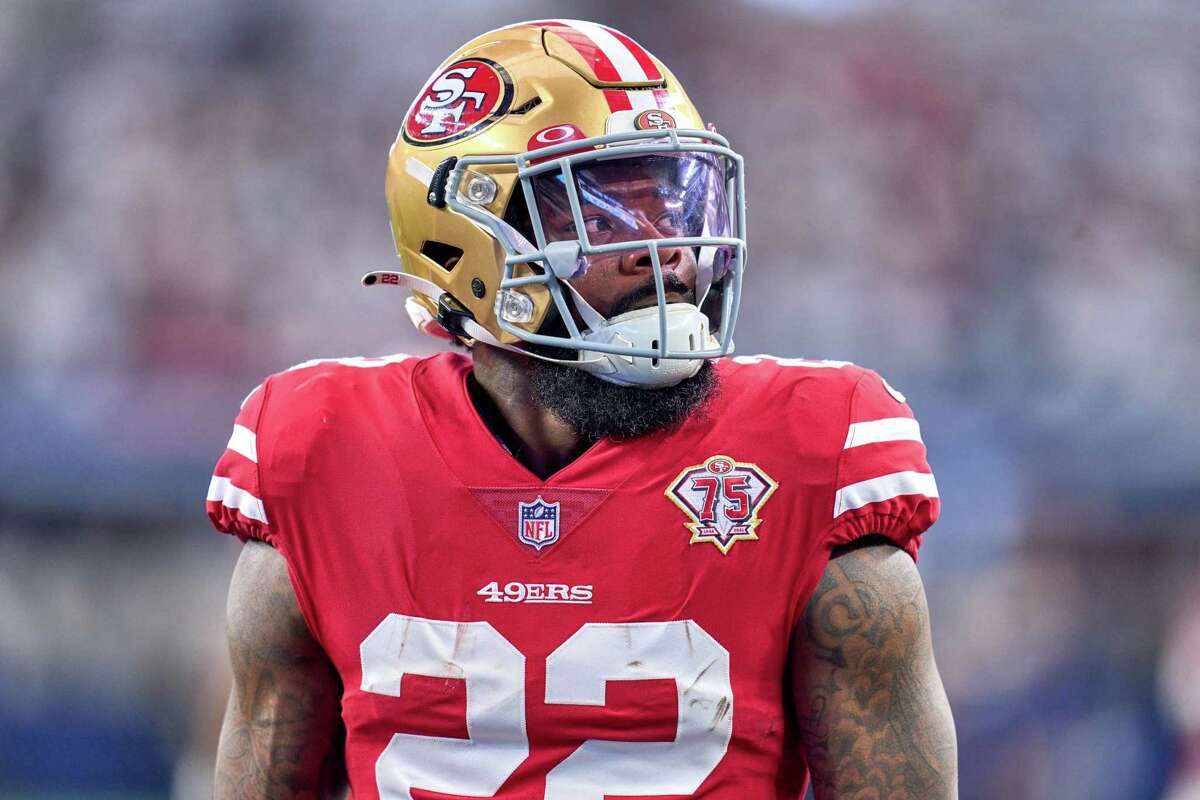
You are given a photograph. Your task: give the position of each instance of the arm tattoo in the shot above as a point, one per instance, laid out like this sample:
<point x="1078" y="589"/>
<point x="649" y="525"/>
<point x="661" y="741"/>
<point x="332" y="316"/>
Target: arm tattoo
<point x="872" y="712"/>
<point x="282" y="735"/>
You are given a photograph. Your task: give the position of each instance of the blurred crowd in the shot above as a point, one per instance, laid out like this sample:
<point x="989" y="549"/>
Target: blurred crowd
<point x="996" y="205"/>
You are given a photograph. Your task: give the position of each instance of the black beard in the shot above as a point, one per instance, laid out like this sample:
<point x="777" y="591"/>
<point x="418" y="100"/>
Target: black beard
<point x="596" y="409"/>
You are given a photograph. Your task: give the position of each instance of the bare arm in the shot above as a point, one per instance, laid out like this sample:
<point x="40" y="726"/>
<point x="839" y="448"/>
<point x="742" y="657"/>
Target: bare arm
<point x="874" y="718"/>
<point x="282" y="735"/>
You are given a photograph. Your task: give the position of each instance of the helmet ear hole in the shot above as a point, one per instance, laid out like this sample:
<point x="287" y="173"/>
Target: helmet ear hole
<point x="444" y="255"/>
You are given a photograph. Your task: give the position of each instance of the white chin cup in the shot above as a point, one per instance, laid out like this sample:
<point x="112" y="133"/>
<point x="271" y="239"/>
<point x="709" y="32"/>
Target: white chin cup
<point x="687" y="330"/>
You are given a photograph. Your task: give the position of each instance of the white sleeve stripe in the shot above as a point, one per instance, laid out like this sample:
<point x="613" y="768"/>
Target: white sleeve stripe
<point x="885" y="487"/>
<point x="790" y="362"/>
<point x="243" y="441"/>
<point x="891" y="429"/>
<point x="221" y="490"/>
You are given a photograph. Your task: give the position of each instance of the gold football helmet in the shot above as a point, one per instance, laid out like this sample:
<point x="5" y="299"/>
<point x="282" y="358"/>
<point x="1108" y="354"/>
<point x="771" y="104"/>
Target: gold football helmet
<point x="550" y="118"/>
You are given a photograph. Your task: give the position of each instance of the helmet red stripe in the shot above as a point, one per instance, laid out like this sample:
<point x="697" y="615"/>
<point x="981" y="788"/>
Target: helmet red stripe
<point x="639" y="53"/>
<point x="618" y="100"/>
<point x="602" y="66"/>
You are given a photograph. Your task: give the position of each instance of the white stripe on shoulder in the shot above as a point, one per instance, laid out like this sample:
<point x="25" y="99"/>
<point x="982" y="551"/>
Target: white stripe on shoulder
<point x="362" y="362"/>
<point x="891" y="429"/>
<point x="885" y="487"/>
<point x="221" y="490"/>
<point x="243" y="441"/>
<point x="622" y="59"/>
<point x="791" y="362"/>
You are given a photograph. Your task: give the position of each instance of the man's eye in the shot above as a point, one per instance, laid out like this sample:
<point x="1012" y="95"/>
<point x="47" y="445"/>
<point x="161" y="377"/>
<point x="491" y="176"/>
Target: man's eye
<point x="668" y="221"/>
<point x="595" y="225"/>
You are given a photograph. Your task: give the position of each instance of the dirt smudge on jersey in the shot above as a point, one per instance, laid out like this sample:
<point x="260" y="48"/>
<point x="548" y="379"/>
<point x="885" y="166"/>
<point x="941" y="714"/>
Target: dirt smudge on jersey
<point x="461" y="631"/>
<point x="723" y="707"/>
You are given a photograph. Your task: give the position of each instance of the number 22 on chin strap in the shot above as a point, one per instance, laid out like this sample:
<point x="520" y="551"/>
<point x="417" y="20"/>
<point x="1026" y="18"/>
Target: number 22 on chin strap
<point x="576" y="673"/>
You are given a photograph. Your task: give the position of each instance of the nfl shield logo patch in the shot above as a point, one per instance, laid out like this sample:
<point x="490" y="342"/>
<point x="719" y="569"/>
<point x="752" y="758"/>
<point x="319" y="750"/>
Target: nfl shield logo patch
<point x="537" y="523"/>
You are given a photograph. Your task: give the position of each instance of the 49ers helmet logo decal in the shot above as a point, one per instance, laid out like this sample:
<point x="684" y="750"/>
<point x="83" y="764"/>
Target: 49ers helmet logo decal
<point x="722" y="498"/>
<point x="461" y="100"/>
<point x="654" y="119"/>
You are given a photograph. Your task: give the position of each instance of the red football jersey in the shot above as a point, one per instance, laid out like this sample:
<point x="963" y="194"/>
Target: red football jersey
<point x="620" y="628"/>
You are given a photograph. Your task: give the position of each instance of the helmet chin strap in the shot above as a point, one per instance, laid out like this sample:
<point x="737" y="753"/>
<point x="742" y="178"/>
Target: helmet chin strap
<point x="686" y="326"/>
<point x="686" y="329"/>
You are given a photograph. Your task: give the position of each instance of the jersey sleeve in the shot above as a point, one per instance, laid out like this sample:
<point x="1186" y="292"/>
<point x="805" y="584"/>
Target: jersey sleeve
<point x="883" y="484"/>
<point x="234" y="503"/>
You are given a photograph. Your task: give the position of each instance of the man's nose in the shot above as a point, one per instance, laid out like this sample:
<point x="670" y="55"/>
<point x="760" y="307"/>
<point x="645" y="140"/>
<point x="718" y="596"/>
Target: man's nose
<point x="637" y="261"/>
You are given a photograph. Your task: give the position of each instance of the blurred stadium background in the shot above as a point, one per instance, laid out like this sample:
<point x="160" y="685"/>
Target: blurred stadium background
<point x="995" y="203"/>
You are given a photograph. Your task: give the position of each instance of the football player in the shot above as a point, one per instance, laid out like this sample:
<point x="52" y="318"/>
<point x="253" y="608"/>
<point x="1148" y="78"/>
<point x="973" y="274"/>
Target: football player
<point x="595" y="553"/>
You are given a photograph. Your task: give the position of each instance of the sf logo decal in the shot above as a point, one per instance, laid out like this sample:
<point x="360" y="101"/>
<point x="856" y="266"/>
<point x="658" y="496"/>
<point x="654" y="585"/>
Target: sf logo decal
<point x="653" y="120"/>
<point x="463" y="99"/>
<point x="449" y="92"/>
<point x="722" y="498"/>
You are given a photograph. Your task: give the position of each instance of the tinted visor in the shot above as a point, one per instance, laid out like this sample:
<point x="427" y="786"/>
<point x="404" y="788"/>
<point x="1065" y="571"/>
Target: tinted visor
<point x="640" y="198"/>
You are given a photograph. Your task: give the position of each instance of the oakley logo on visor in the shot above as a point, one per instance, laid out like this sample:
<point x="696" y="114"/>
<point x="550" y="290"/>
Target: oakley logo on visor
<point x="555" y="134"/>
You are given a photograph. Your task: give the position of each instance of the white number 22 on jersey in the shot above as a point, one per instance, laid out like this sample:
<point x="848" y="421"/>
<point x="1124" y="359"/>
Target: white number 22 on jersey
<point x="576" y="672"/>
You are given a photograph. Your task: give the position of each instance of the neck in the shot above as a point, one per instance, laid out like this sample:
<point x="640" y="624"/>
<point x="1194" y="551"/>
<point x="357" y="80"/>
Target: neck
<point x="504" y="397"/>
